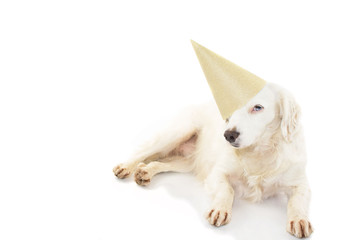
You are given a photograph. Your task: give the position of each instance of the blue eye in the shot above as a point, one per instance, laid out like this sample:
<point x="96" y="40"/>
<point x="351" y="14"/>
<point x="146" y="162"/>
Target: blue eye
<point x="257" y="108"/>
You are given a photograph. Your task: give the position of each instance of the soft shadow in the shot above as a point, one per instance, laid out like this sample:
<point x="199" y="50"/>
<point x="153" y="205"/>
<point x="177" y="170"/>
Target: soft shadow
<point x="182" y="186"/>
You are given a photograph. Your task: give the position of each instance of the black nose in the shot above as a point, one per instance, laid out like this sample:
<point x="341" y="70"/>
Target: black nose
<point x="231" y="136"/>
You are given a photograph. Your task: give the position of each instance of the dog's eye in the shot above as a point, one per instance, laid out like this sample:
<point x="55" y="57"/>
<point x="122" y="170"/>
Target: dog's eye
<point x="257" y="108"/>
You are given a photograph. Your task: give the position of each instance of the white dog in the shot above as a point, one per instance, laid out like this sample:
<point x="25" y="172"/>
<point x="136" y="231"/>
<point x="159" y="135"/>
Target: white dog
<point x="263" y="153"/>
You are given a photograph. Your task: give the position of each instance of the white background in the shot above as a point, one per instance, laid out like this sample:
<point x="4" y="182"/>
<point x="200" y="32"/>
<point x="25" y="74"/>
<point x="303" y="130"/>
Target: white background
<point x="81" y="82"/>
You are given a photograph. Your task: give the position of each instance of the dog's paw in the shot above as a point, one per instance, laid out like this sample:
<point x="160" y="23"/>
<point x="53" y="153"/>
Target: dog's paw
<point x="122" y="171"/>
<point x="142" y="175"/>
<point x="300" y="228"/>
<point x="219" y="217"/>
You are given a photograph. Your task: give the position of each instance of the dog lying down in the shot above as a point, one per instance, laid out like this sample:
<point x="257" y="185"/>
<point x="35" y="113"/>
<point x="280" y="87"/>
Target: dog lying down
<point x="259" y="150"/>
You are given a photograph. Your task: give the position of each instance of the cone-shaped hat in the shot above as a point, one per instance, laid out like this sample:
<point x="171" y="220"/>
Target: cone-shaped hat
<point x="231" y="85"/>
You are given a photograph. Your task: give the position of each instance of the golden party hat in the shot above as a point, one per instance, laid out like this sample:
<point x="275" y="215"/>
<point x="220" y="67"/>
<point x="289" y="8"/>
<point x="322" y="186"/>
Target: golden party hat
<point x="231" y="85"/>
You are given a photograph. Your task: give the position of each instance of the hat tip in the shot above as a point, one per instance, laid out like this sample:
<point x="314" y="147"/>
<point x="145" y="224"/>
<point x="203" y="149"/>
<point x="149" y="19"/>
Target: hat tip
<point x="194" y="44"/>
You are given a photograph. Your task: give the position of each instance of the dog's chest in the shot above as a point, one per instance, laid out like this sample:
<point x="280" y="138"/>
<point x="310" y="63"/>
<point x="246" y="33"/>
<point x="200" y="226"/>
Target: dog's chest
<point x="256" y="177"/>
<point x="255" y="187"/>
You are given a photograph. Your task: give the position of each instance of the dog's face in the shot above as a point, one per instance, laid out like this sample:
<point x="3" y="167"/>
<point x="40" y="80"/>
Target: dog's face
<point x="269" y="109"/>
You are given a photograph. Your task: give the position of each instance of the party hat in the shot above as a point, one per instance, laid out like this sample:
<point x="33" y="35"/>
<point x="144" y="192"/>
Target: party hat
<point x="231" y="85"/>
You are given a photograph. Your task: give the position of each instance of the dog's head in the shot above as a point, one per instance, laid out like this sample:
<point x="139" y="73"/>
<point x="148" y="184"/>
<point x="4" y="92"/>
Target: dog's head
<point x="272" y="110"/>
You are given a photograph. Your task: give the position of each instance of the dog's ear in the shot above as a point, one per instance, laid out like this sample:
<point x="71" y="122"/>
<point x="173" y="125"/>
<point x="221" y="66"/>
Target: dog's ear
<point x="289" y="114"/>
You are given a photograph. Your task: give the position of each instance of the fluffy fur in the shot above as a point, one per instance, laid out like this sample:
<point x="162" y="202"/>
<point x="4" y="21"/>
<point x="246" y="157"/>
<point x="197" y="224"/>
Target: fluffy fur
<point x="266" y="158"/>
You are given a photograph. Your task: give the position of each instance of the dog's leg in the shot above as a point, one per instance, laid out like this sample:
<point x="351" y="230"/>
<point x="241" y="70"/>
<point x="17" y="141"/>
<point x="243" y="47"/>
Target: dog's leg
<point x="180" y="129"/>
<point x="124" y="170"/>
<point x="145" y="172"/>
<point x="297" y="211"/>
<point x="223" y="196"/>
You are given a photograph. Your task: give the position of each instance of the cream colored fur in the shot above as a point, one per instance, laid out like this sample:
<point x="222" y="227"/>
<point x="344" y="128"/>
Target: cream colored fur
<point x="269" y="156"/>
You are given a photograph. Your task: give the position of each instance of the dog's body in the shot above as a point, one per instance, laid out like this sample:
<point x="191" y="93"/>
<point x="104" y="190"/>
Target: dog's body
<point x="266" y="155"/>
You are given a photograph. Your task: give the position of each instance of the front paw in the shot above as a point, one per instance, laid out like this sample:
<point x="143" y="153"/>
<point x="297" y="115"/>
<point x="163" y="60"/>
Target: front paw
<point x="300" y="228"/>
<point x="219" y="217"/>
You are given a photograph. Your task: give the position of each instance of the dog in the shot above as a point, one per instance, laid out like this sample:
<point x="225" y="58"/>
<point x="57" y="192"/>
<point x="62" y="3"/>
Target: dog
<point x="259" y="151"/>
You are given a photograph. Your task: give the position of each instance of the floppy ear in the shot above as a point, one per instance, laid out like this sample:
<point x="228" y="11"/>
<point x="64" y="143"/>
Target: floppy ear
<point x="290" y="115"/>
